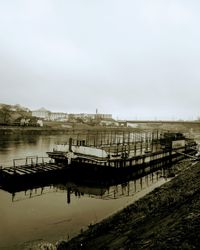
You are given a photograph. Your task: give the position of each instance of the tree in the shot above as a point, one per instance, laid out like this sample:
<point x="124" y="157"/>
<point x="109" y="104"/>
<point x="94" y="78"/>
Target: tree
<point x="5" y="113"/>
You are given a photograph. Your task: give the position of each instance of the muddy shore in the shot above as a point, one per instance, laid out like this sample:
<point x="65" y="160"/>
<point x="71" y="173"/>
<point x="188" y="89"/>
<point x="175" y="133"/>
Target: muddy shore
<point x="167" y="218"/>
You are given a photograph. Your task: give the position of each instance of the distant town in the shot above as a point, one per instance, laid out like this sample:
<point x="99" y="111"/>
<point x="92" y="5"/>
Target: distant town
<point x="17" y="115"/>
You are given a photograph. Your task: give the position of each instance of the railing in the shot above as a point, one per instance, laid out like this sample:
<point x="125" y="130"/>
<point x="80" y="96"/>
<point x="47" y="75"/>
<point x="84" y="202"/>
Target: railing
<point x="32" y="161"/>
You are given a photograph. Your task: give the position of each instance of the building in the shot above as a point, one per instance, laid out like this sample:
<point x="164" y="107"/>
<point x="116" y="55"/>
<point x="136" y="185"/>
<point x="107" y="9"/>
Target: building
<point x="48" y="115"/>
<point x="104" y="116"/>
<point x="41" y="113"/>
<point x="91" y="116"/>
<point x="58" y="116"/>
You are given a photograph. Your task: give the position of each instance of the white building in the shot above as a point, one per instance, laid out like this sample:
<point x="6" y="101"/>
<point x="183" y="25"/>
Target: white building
<point x="41" y="113"/>
<point x="55" y="116"/>
<point x="48" y="115"/>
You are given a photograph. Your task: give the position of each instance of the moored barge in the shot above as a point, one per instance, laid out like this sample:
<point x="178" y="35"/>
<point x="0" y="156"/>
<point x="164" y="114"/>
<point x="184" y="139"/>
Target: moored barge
<point x="169" y="148"/>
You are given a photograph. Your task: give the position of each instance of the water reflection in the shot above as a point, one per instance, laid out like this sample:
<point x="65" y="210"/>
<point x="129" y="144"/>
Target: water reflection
<point x="20" y="146"/>
<point x="74" y="190"/>
<point x="58" y="210"/>
<point x="10" y="141"/>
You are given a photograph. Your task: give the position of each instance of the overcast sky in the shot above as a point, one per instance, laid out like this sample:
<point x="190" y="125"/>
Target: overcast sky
<point x="132" y="58"/>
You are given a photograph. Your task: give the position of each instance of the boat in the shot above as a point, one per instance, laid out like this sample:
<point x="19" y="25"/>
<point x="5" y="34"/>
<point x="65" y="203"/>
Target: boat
<point x="170" y="147"/>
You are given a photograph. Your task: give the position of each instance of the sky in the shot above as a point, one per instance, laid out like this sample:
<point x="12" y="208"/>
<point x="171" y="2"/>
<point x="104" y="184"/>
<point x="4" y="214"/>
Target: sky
<point x="135" y="59"/>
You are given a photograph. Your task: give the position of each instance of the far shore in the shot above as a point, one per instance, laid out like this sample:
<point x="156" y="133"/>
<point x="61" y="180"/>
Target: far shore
<point x="6" y="130"/>
<point x="77" y="128"/>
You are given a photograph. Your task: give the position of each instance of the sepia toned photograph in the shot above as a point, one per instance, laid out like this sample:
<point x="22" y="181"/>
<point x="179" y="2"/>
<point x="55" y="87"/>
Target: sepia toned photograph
<point x="99" y="124"/>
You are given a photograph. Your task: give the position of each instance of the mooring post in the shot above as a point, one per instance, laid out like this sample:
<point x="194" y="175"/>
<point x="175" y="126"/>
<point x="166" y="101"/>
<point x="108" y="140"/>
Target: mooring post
<point x="70" y="144"/>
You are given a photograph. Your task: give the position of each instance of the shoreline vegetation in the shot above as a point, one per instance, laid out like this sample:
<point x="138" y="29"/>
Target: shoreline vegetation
<point x="12" y="130"/>
<point x="9" y="130"/>
<point x="166" y="218"/>
<point x="61" y="128"/>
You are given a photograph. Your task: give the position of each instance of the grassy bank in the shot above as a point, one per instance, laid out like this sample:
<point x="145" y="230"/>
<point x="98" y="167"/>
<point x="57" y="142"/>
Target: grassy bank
<point x="9" y="130"/>
<point x="31" y="130"/>
<point x="167" y="218"/>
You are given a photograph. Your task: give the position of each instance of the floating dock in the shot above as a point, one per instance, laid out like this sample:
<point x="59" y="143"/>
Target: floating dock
<point x="30" y="172"/>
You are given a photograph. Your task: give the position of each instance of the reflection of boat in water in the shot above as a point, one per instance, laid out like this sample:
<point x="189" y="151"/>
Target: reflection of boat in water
<point x="106" y="191"/>
<point x="80" y="189"/>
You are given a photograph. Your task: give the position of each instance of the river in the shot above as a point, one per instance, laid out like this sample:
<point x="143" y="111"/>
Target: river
<point x="56" y="212"/>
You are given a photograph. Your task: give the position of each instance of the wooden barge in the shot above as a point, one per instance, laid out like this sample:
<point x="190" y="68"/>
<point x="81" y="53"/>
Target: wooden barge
<point x="169" y="148"/>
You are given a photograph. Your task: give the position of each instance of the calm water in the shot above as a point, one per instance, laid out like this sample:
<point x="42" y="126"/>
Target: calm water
<point x="53" y="213"/>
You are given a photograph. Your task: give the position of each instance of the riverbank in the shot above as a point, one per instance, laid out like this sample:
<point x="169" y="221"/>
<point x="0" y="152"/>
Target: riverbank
<point x="53" y="129"/>
<point x="167" y="218"/>
<point x="10" y="130"/>
<point x="4" y="130"/>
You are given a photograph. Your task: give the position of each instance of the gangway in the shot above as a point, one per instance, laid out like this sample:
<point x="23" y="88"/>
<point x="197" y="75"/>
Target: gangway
<point x="190" y="156"/>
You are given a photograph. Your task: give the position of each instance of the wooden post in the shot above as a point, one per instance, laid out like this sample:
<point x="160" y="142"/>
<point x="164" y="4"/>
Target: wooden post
<point x="152" y="141"/>
<point x="141" y="144"/>
<point x="128" y="142"/>
<point x="70" y="144"/>
<point x="77" y="140"/>
<point x="87" y="138"/>
<point x="146" y="141"/>
<point x="135" y="146"/>
<point x="156" y="140"/>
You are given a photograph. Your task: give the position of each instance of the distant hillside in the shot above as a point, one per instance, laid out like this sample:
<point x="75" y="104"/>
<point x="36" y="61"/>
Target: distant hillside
<point x="13" y="113"/>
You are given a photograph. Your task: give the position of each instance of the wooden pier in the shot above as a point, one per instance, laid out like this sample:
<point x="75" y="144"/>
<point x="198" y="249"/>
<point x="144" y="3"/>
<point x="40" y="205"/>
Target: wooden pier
<point x="35" y="169"/>
<point x="29" y="170"/>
